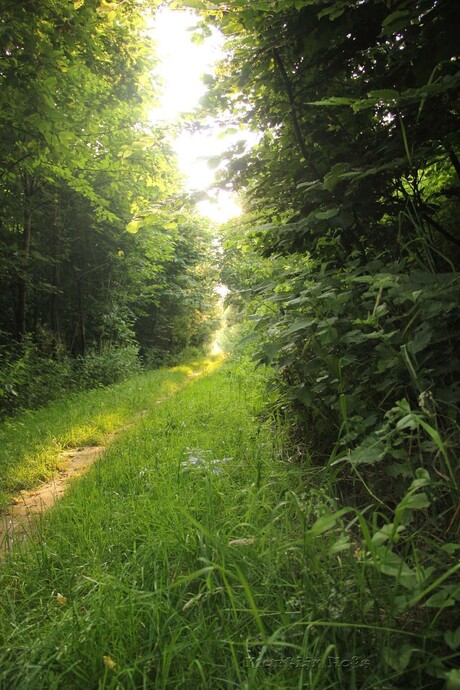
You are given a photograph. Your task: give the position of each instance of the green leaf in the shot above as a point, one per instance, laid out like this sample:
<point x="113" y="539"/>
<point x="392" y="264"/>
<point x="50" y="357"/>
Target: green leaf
<point x="453" y="679"/>
<point x="325" y="215"/>
<point x="414" y="502"/>
<point x="333" y="177"/>
<point x="387" y="532"/>
<point x="450" y="548"/>
<point x="333" y="100"/>
<point x="452" y="638"/>
<point x="326" y="522"/>
<point x="389" y="563"/>
<point x="371" y="451"/>
<point x="299" y="325"/>
<point x="125" y="152"/>
<point x="441" y="599"/>
<point x="247" y="339"/>
<point x="398" y="658"/>
<point x="435" y="436"/>
<point x="304" y="395"/>
<point x="153" y="219"/>
<point x="421" y="340"/>
<point x="383" y="95"/>
<point x="133" y="226"/>
<point x="323" y="524"/>
<point x="341" y="544"/>
<point x="66" y="138"/>
<point x="395" y="22"/>
<point x="197" y="38"/>
<point x="422" y="479"/>
<point x="269" y="352"/>
<point x="333" y="12"/>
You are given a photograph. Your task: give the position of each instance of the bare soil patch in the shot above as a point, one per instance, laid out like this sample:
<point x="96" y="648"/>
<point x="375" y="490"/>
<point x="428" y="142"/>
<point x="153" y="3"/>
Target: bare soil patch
<point x="17" y="523"/>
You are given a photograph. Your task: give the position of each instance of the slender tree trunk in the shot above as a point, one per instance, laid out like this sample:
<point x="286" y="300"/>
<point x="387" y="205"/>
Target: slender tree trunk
<point x="21" y="306"/>
<point x="56" y="278"/>
<point x="81" y="315"/>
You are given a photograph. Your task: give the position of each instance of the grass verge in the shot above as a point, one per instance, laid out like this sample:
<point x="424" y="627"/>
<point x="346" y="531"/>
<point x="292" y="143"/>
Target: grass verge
<point x="31" y="442"/>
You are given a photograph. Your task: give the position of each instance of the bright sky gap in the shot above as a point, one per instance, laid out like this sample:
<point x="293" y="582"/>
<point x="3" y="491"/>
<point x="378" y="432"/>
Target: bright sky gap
<point x="181" y="66"/>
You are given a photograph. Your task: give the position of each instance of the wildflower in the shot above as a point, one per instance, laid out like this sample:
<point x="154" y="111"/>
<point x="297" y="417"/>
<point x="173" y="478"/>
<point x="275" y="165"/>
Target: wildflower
<point x="109" y="663"/>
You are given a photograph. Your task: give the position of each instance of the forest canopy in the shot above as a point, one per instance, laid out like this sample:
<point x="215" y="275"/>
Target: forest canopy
<point x="100" y="249"/>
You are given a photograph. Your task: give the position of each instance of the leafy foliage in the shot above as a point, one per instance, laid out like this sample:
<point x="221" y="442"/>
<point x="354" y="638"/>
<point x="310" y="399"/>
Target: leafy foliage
<point x="358" y="119"/>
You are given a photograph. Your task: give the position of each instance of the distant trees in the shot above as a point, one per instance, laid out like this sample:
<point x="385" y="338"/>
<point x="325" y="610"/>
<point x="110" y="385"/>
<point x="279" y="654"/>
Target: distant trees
<point x="99" y="247"/>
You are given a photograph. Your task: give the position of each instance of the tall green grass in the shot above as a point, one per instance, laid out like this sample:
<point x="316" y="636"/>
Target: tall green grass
<point x="30" y="442"/>
<point x="197" y="553"/>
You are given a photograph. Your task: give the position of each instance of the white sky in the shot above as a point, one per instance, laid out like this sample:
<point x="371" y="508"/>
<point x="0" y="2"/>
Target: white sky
<point x="181" y="65"/>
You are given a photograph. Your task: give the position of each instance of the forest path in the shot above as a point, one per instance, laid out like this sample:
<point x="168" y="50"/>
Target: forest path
<point x="25" y="507"/>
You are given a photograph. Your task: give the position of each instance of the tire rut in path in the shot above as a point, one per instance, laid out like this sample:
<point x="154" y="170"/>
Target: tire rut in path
<point x="17" y="522"/>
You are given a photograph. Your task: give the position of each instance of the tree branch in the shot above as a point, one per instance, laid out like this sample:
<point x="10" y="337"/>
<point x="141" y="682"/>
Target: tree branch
<point x="437" y="226"/>
<point x="294" y="115"/>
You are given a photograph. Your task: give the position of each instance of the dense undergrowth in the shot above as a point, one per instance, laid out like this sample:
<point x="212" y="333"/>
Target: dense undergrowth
<point x="367" y="389"/>
<point x="369" y="368"/>
<point x="36" y="374"/>
<point x="199" y="553"/>
<point x="31" y="377"/>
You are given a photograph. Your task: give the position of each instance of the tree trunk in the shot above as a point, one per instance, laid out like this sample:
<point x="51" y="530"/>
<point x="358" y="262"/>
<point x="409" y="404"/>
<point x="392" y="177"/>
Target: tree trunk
<point x="21" y="306"/>
<point x="56" y="278"/>
<point x="80" y="333"/>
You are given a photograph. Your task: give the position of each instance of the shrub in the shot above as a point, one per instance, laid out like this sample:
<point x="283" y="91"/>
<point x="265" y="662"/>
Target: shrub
<point x="369" y="367"/>
<point x="155" y="357"/>
<point x="32" y="378"/>
<point x="103" y="368"/>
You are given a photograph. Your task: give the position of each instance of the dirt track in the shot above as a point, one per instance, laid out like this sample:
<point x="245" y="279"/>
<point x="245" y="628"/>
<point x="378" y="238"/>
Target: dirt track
<point x="18" y="520"/>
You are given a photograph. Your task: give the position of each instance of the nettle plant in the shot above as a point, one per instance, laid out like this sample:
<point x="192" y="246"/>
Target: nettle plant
<point x="408" y="579"/>
<point x="367" y="354"/>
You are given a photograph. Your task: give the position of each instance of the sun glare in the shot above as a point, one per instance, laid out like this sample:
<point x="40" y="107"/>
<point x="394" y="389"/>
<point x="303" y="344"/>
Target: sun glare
<point x="181" y="66"/>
